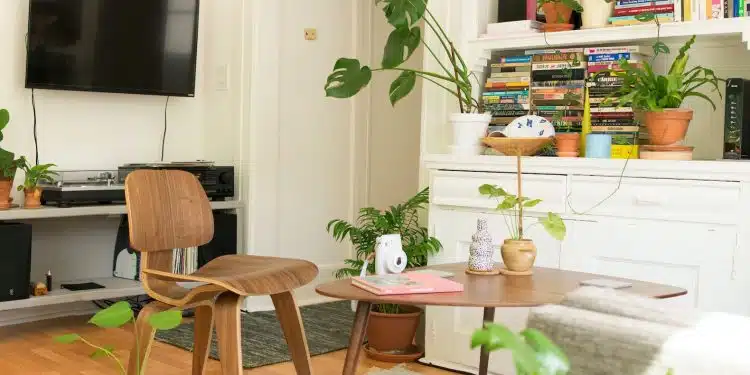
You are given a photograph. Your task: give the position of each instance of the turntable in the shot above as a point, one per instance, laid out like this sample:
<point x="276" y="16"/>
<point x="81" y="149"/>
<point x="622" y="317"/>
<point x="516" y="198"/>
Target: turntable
<point x="83" y="187"/>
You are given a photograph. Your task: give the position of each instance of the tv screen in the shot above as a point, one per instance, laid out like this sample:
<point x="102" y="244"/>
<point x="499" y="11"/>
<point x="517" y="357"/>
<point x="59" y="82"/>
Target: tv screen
<point x="124" y="46"/>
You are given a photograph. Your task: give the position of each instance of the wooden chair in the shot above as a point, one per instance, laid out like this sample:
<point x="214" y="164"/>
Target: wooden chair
<point x="169" y="210"/>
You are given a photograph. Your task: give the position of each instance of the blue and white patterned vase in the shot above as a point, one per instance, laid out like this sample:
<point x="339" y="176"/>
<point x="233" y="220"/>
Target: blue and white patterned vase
<point x="481" y="250"/>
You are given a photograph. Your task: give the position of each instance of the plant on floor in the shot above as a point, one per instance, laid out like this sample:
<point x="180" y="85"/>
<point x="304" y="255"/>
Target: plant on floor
<point x="512" y="207"/>
<point x="116" y="316"/>
<point x="406" y="16"/>
<point x="533" y="353"/>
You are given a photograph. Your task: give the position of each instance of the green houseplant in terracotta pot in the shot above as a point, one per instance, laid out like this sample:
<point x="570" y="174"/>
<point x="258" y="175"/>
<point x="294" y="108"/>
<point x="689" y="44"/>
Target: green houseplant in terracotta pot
<point x="34" y="176"/>
<point x="659" y="97"/>
<point x="557" y="13"/>
<point x="391" y="328"/>
<point x="8" y="165"/>
<point x="519" y="252"/>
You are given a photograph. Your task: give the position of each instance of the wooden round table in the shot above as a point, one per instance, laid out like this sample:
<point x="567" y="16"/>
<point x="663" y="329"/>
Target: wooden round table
<point x="545" y="286"/>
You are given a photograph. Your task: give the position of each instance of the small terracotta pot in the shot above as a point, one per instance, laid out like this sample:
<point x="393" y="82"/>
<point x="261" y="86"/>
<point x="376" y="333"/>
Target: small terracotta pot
<point x="6" y="185"/>
<point x="567" y="144"/>
<point x="557" y="12"/>
<point x="518" y="255"/>
<point x="32" y="198"/>
<point x="667" y="127"/>
<point x="393" y="332"/>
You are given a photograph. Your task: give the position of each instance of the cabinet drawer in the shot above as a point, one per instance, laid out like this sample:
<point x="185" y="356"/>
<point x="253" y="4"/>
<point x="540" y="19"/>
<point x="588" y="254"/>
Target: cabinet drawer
<point x="461" y="189"/>
<point x="687" y="200"/>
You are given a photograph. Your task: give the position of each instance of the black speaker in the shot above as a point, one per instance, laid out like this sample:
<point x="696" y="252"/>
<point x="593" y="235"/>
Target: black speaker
<point x="224" y="241"/>
<point x="15" y="269"/>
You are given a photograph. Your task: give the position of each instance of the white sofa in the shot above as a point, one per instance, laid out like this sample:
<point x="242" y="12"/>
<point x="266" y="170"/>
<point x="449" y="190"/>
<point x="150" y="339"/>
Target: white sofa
<point x="608" y="332"/>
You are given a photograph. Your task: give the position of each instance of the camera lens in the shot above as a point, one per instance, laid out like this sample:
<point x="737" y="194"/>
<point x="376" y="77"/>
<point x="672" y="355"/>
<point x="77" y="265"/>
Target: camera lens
<point x="398" y="261"/>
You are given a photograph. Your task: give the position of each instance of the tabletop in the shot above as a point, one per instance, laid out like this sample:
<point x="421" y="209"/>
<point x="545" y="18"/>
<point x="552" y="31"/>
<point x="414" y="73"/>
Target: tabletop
<point x="544" y="286"/>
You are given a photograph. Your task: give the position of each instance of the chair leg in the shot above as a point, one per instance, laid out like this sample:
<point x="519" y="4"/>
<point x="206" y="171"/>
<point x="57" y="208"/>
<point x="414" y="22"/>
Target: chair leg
<point x="228" y="332"/>
<point x="291" y="323"/>
<point x="145" y="337"/>
<point x="204" y="325"/>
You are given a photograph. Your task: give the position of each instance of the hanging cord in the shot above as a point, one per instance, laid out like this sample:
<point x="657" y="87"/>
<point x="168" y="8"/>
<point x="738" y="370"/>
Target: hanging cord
<point x="164" y="135"/>
<point x="36" y="139"/>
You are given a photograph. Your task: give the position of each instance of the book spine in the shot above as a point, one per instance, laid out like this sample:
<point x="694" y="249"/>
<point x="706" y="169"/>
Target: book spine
<point x="623" y="49"/>
<point x="515" y="59"/>
<point x="611" y="57"/>
<point x="669" y="8"/>
<point x="557" y="75"/>
<point x="552" y="51"/>
<point x="554" y="57"/>
<point x="553" y="66"/>
<point x="620" y="3"/>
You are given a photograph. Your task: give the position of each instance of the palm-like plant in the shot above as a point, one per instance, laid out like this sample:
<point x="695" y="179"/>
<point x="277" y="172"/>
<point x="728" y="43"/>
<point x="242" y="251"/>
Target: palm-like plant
<point x="35" y="175"/>
<point x="373" y="223"/>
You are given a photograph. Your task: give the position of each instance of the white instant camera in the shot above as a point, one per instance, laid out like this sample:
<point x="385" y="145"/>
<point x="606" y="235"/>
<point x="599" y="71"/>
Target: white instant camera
<point x="389" y="255"/>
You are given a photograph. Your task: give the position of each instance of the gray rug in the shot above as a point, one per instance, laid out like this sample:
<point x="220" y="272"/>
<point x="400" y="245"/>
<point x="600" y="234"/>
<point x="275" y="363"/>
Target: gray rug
<point x="327" y="327"/>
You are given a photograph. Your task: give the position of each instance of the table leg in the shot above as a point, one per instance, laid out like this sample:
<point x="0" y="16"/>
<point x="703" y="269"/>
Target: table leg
<point x="484" y="357"/>
<point x="357" y="337"/>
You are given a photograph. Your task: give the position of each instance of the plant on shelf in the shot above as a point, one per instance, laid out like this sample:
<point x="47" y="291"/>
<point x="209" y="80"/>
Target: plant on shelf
<point x="518" y="252"/>
<point x="403" y="219"/>
<point x="350" y="76"/>
<point x="34" y="176"/>
<point x="533" y="353"/>
<point x="567" y="136"/>
<point x="117" y="316"/>
<point x="557" y="13"/>
<point x="8" y="165"/>
<point x="660" y="96"/>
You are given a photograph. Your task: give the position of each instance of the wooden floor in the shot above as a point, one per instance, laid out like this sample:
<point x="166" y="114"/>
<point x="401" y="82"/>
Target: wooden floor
<point x="30" y="349"/>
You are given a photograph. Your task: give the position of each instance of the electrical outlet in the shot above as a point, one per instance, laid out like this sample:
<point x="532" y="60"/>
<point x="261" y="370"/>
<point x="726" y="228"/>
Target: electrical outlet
<point x="311" y="34"/>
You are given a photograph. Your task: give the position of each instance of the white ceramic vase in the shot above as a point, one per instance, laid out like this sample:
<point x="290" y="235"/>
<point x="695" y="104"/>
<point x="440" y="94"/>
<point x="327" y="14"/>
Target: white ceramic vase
<point x="468" y="131"/>
<point x="596" y="13"/>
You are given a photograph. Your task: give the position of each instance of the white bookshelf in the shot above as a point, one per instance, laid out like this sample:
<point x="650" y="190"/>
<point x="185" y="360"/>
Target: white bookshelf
<point x="720" y="28"/>
<point x="49" y="212"/>
<point x="113" y="288"/>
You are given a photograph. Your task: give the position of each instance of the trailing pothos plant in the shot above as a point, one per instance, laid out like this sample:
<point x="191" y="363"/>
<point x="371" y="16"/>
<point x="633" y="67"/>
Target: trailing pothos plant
<point x="372" y="223"/>
<point x="349" y="75"/>
<point x="116" y="316"/>
<point x="648" y="91"/>
<point x="512" y="208"/>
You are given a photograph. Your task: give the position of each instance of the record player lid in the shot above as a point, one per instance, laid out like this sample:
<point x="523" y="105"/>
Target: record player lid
<point x="196" y="163"/>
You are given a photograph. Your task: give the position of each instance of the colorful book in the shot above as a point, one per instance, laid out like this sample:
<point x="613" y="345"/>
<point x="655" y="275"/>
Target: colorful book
<point x="406" y="283"/>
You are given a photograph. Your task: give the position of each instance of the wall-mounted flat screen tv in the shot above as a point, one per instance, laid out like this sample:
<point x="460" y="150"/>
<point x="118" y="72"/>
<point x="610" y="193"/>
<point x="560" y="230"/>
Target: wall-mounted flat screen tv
<point x="122" y="46"/>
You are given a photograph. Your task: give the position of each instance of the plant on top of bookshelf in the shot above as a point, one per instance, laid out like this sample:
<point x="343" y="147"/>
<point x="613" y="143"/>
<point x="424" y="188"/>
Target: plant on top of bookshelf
<point x="660" y="96"/>
<point x="34" y="176"/>
<point x="8" y="165"/>
<point x="350" y="76"/>
<point x="557" y="13"/>
<point x="519" y="252"/>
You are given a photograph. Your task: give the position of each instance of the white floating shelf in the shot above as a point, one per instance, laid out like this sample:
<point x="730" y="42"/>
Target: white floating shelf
<point x="49" y="212"/>
<point x="114" y="288"/>
<point x="730" y="27"/>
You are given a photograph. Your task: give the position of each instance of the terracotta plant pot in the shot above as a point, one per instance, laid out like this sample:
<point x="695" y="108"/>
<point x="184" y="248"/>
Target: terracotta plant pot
<point x="6" y="185"/>
<point x="557" y="13"/>
<point x="667" y="127"/>
<point x="393" y="332"/>
<point x="567" y="144"/>
<point x="32" y="198"/>
<point x="518" y="255"/>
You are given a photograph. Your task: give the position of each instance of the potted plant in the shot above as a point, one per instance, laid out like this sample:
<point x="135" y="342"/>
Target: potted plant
<point x="349" y="76"/>
<point x="533" y="353"/>
<point x="519" y="252"/>
<point x="391" y="328"/>
<point x="567" y="137"/>
<point x="557" y="13"/>
<point x="34" y="176"/>
<point x="8" y="165"/>
<point x="660" y="97"/>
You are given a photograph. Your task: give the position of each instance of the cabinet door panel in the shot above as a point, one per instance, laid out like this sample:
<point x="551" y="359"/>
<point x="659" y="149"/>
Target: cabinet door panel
<point x="697" y="257"/>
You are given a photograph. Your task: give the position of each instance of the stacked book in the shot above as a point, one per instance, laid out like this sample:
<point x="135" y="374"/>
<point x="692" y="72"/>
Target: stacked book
<point x="665" y="10"/>
<point x="185" y="260"/>
<point x="557" y="87"/>
<point x="608" y="115"/>
<point x="506" y="92"/>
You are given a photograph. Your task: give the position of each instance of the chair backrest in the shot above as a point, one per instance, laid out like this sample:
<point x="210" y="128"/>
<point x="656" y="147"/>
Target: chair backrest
<point x="167" y="209"/>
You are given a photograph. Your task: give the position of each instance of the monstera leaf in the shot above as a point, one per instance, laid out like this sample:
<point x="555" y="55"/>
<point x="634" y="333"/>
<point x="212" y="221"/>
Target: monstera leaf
<point x="402" y="86"/>
<point x="401" y="44"/>
<point x="403" y="13"/>
<point x="347" y="79"/>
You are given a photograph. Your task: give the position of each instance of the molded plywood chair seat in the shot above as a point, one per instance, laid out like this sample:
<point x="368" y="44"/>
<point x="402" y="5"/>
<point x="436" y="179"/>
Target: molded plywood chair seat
<point x="169" y="210"/>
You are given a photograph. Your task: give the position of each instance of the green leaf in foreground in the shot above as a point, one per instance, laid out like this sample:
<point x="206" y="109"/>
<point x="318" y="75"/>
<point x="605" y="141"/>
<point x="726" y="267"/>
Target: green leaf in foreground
<point x="495" y="336"/>
<point x="347" y="79"/>
<point x="554" y="225"/>
<point x="67" y="339"/>
<point x="552" y="360"/>
<point x="402" y="86"/>
<point x="103" y="352"/>
<point x="166" y="320"/>
<point x="401" y="45"/>
<point x="114" y="316"/>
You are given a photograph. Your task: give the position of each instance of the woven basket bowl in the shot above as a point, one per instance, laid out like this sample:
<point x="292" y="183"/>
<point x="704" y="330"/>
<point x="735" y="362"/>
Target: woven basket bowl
<point x="516" y="146"/>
